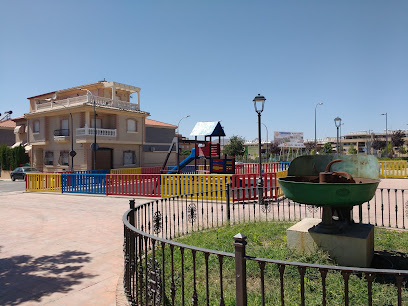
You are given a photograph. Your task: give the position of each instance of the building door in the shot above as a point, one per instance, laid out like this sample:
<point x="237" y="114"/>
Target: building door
<point x="104" y="158"/>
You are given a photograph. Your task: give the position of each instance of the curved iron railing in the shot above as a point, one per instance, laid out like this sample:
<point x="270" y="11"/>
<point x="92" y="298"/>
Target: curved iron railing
<point x="152" y="277"/>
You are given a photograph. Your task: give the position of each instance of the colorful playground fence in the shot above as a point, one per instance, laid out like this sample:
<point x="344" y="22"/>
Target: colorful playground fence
<point x="83" y="183"/>
<point x="126" y="171"/>
<point x="155" y="185"/>
<point x="151" y="170"/>
<point x="242" y="186"/>
<point x="179" y="184"/>
<point x="253" y="168"/>
<point x="145" y="185"/>
<point x="393" y="168"/>
<point x="191" y="169"/>
<point x="48" y="182"/>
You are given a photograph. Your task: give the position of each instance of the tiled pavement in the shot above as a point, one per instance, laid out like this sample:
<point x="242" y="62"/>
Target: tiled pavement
<point x="60" y="249"/>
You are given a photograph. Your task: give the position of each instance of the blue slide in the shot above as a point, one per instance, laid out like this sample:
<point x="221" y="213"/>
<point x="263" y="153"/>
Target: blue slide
<point x="185" y="162"/>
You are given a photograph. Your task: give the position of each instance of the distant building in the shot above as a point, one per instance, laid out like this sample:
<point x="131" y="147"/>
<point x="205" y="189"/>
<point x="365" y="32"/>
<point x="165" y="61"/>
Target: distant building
<point x="7" y="132"/>
<point x="159" y="136"/>
<point x="361" y="141"/>
<point x="120" y="127"/>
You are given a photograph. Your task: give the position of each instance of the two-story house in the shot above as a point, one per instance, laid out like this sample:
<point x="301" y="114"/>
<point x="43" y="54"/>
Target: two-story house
<point x="62" y="123"/>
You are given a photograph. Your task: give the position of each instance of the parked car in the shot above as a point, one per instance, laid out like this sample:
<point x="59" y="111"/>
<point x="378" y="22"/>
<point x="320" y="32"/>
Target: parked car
<point x="20" y="172"/>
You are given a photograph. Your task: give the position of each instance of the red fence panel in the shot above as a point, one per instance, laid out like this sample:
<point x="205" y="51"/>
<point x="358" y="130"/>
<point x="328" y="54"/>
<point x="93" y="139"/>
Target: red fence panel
<point x="144" y="185"/>
<point x="253" y="168"/>
<point x="151" y="170"/>
<point x="244" y="187"/>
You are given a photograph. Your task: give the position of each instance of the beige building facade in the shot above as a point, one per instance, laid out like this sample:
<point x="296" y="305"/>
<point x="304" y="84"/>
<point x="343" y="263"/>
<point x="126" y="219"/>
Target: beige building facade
<point x="62" y="123"/>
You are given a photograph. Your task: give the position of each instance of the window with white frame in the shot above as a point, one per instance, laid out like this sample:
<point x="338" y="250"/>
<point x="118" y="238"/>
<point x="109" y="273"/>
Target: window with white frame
<point x="36" y="126"/>
<point x="49" y="158"/>
<point x="128" y="158"/>
<point x="64" y="157"/>
<point x="131" y="125"/>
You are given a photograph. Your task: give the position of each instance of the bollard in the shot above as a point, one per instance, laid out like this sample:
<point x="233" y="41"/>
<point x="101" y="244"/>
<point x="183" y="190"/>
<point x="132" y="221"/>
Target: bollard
<point x="240" y="270"/>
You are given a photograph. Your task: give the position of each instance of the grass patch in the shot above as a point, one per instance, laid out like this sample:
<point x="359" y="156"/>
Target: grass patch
<point x="268" y="240"/>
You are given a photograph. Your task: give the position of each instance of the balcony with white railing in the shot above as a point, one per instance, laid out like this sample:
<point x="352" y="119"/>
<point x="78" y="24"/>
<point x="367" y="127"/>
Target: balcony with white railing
<point x="99" y="101"/>
<point x="87" y="131"/>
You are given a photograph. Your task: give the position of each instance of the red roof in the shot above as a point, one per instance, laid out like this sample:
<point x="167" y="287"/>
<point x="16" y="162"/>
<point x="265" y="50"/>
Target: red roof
<point x="158" y="123"/>
<point x="8" y="123"/>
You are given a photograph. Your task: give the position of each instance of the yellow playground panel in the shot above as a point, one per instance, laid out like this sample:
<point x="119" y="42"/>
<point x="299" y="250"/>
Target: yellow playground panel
<point x="393" y="168"/>
<point x="49" y="182"/>
<point x="208" y="185"/>
<point x="126" y="171"/>
<point x="278" y="175"/>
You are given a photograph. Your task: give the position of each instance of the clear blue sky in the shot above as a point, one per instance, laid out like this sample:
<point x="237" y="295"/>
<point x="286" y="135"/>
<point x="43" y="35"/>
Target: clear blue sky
<point x="209" y="59"/>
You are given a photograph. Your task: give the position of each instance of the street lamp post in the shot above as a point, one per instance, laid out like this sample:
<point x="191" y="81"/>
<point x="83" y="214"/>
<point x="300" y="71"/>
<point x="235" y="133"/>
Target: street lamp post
<point x="267" y="143"/>
<point x="386" y="132"/>
<point x="320" y="103"/>
<point x="94" y="144"/>
<point x="178" y="124"/>
<point x="337" y="123"/>
<point x="259" y="102"/>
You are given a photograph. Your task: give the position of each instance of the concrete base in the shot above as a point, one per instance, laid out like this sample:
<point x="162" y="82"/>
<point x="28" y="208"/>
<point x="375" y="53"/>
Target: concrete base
<point x="354" y="246"/>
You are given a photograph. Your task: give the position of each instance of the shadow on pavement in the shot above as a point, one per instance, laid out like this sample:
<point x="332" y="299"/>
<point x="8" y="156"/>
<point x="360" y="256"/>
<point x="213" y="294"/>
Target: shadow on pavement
<point x="25" y="278"/>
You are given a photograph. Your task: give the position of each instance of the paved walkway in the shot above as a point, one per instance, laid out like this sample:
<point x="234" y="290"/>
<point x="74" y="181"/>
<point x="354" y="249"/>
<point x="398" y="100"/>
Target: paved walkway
<point x="60" y="249"/>
<point x="66" y="249"/>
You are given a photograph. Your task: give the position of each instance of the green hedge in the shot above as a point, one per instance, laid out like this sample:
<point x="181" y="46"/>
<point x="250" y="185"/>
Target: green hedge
<point x="11" y="158"/>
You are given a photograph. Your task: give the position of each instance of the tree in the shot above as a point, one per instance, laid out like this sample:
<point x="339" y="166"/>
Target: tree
<point x="378" y="144"/>
<point x="235" y="147"/>
<point x="273" y="148"/>
<point x="387" y="151"/>
<point x="11" y="158"/>
<point x="185" y="152"/>
<point x="402" y="150"/>
<point x="352" y="150"/>
<point x="327" y="148"/>
<point x="397" y="138"/>
<point x="309" y="146"/>
<point x="5" y="157"/>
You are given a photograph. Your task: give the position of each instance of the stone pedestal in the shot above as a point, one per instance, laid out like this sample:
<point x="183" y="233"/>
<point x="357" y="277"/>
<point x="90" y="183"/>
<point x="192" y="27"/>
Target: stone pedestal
<point x="354" y="246"/>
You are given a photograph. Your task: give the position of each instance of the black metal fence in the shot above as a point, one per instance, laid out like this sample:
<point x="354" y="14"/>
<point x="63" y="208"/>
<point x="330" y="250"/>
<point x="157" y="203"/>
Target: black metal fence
<point x="160" y="271"/>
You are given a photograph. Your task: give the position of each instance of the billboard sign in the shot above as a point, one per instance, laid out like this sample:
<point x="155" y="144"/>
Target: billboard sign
<point x="289" y="139"/>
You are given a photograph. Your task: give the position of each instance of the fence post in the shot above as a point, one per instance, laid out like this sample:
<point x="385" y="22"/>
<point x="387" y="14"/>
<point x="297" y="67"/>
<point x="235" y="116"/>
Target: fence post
<point x="240" y="270"/>
<point x="132" y="214"/>
<point x="228" y="202"/>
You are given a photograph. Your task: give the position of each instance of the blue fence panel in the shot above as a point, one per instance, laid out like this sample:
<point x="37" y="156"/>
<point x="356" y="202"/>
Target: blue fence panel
<point x="189" y="169"/>
<point x="283" y="166"/>
<point x="83" y="183"/>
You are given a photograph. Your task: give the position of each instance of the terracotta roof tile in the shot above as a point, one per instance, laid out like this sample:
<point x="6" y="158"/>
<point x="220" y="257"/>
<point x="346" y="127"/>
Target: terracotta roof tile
<point x="8" y="123"/>
<point x="158" y="123"/>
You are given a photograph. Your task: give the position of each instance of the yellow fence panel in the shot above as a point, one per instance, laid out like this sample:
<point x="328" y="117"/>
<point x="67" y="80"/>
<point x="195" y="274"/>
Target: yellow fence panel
<point x="393" y="168"/>
<point x="126" y="171"/>
<point x="48" y="182"/>
<point x="208" y="185"/>
<point x="278" y="175"/>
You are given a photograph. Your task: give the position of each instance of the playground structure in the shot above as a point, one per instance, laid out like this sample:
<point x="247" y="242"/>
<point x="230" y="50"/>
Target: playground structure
<point x="210" y="151"/>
